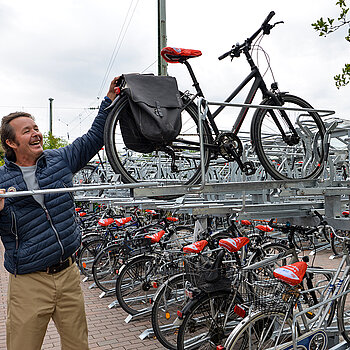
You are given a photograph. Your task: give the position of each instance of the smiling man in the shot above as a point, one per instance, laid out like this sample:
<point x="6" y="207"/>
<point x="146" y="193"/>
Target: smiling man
<point x="40" y="233"/>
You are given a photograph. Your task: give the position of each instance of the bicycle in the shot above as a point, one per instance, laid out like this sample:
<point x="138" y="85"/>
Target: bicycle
<point x="111" y="258"/>
<point x="287" y="142"/>
<point x="196" y="330"/>
<point x="171" y="296"/>
<point x="300" y="328"/>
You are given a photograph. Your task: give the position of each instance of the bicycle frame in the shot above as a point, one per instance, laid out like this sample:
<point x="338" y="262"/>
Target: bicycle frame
<point x="334" y="292"/>
<point x="258" y="83"/>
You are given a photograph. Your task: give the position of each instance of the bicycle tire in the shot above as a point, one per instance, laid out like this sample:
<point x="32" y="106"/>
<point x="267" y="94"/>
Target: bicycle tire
<point x="304" y="158"/>
<point x="106" y="266"/>
<point x="336" y="244"/>
<point x="343" y="313"/>
<point x="169" y="298"/>
<point x="88" y="254"/>
<point x="257" y="333"/>
<point x="204" y="325"/>
<point x="134" y="292"/>
<point x="135" y="167"/>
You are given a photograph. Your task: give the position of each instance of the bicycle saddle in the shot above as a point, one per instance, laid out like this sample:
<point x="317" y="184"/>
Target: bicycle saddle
<point x="195" y="247"/>
<point x="245" y="222"/>
<point x="155" y="238"/>
<point x="105" y="222"/>
<point x="178" y="55"/>
<point x="264" y="228"/>
<point x="172" y="219"/>
<point x="292" y="274"/>
<point x="233" y="244"/>
<point x="123" y="221"/>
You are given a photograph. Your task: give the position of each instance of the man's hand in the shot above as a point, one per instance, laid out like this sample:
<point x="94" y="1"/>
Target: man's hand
<point x="2" y="200"/>
<point x="112" y="89"/>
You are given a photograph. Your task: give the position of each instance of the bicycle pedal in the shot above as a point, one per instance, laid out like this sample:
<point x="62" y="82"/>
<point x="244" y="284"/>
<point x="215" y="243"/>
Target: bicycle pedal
<point x="249" y="168"/>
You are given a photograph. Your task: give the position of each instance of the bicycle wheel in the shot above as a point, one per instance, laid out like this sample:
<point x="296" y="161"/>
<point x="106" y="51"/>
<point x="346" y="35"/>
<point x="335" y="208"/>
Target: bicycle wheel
<point x="336" y="243"/>
<point x="261" y="331"/>
<point x="183" y="168"/>
<point x="289" y="156"/>
<point x="106" y="266"/>
<point x="343" y="313"/>
<point x="88" y="254"/>
<point x="265" y="251"/>
<point x="208" y="322"/>
<point x="88" y="175"/>
<point x="134" y="288"/>
<point x="169" y="298"/>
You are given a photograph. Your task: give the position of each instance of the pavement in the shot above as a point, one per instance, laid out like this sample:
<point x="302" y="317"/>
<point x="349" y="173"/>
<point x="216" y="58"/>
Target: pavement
<point x="107" y="327"/>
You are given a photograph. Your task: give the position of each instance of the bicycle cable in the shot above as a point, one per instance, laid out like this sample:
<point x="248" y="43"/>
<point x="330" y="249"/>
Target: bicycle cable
<point x="257" y="47"/>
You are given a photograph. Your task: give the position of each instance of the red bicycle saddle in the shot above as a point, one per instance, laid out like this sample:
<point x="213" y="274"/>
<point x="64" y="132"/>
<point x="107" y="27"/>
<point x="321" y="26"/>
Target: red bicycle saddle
<point x="195" y="247"/>
<point x="264" y="228"/>
<point x="233" y="244"/>
<point x="105" y="222"/>
<point x="245" y="222"/>
<point x="178" y="55"/>
<point x="123" y="221"/>
<point x="292" y="274"/>
<point x="155" y="238"/>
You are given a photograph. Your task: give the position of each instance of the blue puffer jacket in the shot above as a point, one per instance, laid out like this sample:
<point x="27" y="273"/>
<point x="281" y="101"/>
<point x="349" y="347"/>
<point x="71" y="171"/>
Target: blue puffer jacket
<point x="36" y="237"/>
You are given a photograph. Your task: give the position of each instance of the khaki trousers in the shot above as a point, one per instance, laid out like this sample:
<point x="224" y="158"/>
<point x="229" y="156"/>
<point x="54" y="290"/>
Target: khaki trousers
<point x="34" y="298"/>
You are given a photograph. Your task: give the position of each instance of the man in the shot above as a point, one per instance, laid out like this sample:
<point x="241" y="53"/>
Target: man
<point x="40" y="234"/>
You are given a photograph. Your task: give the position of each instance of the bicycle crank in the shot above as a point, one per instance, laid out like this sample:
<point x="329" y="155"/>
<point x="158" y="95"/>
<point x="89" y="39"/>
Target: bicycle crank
<point x="231" y="148"/>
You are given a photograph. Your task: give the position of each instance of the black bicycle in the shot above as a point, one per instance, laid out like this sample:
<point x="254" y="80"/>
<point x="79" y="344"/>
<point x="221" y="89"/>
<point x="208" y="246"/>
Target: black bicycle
<point x="288" y="140"/>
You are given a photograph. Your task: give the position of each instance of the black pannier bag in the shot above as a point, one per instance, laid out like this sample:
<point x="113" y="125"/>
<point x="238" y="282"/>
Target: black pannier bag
<point x="154" y="117"/>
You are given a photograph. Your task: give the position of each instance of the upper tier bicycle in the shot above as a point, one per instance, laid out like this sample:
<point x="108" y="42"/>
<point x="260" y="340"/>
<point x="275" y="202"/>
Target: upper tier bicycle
<point x="288" y="141"/>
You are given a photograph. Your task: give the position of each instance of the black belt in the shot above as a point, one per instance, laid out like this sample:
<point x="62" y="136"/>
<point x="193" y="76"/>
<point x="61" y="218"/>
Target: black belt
<point x="60" y="266"/>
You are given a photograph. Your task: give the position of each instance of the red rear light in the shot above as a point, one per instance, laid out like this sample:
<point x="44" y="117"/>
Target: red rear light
<point x="239" y="311"/>
<point x="220" y="347"/>
<point x="179" y="314"/>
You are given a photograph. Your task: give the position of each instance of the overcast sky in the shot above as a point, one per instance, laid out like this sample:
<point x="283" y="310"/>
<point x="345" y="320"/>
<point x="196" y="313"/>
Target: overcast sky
<point x="69" y="50"/>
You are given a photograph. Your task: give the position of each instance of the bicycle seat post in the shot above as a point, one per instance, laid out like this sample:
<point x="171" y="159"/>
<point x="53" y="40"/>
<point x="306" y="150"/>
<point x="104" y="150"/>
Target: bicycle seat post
<point x="194" y="79"/>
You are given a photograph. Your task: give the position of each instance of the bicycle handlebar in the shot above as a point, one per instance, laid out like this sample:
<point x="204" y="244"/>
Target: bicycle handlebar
<point x="265" y="27"/>
<point x="268" y="18"/>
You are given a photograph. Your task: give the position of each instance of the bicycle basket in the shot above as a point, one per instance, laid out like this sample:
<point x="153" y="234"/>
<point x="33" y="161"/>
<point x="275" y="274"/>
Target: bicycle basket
<point x="272" y="294"/>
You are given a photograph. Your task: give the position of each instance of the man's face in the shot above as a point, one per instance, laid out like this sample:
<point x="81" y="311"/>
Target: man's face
<point x="28" y="143"/>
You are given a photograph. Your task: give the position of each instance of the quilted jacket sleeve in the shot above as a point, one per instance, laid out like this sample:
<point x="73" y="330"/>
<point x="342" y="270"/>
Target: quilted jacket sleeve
<point x="85" y="147"/>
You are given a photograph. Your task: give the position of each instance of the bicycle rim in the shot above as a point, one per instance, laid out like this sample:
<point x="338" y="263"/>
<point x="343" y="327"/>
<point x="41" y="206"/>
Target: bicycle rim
<point x="208" y="323"/>
<point x="88" y="254"/>
<point x="262" y="331"/>
<point x="343" y="313"/>
<point x="169" y="299"/>
<point x="156" y="166"/>
<point x="303" y="157"/>
<point x="106" y="267"/>
<point x="134" y="289"/>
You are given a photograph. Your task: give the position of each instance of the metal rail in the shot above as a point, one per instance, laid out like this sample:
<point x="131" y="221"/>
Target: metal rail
<point x="76" y="189"/>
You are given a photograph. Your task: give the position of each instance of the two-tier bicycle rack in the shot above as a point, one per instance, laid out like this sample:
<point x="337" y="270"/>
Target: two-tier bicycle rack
<point x="291" y="200"/>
